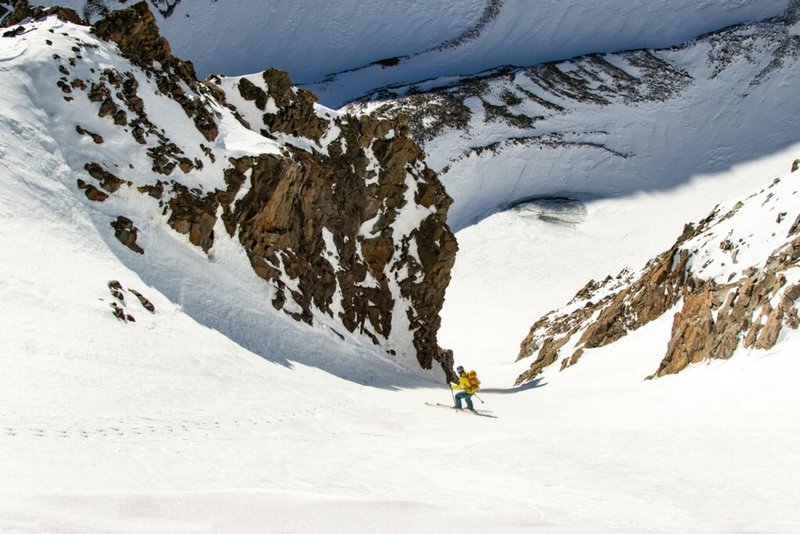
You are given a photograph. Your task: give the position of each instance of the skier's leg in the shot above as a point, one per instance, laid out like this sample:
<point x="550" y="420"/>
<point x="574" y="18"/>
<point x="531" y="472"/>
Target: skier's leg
<point x="458" y="400"/>
<point x="468" y="398"/>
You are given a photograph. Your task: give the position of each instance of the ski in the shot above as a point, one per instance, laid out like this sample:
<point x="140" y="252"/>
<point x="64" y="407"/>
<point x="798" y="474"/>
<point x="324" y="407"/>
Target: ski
<point x="483" y="413"/>
<point x="479" y="413"/>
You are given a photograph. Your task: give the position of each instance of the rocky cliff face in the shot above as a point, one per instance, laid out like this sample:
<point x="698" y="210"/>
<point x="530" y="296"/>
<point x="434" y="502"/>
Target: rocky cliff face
<point x="358" y="222"/>
<point x="732" y="281"/>
<point x="339" y="214"/>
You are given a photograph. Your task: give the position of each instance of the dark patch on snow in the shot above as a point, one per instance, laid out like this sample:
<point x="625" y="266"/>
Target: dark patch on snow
<point x="552" y="209"/>
<point x="388" y="62"/>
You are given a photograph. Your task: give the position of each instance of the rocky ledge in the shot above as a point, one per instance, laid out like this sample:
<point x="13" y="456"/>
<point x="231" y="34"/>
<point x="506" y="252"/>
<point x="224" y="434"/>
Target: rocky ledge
<point x="732" y="281"/>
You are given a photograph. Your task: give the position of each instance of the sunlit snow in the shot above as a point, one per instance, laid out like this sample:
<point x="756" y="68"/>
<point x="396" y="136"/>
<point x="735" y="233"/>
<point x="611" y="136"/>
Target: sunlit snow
<point x="218" y="414"/>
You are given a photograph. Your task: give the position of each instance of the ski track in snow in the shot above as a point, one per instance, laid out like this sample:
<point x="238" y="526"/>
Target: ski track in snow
<point x="142" y="426"/>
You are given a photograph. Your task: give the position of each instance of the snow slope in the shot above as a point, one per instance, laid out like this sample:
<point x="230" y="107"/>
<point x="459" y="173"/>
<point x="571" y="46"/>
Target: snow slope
<point x="165" y="425"/>
<point x="49" y="167"/>
<point x="516" y="266"/>
<point x="207" y="416"/>
<point x="605" y="126"/>
<point x="313" y="39"/>
<point x="730" y="281"/>
<point x="530" y="33"/>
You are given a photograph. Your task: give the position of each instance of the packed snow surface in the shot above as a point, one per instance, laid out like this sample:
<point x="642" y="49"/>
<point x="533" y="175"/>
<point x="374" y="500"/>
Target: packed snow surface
<point x="214" y="414"/>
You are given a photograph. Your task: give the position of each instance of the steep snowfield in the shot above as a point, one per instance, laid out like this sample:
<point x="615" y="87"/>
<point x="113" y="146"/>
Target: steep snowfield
<point x="518" y="265"/>
<point x="530" y="33"/>
<point x="62" y="82"/>
<point x="174" y="424"/>
<point x="167" y="426"/>
<point x="607" y="126"/>
<point x="254" y="35"/>
<point x="433" y="37"/>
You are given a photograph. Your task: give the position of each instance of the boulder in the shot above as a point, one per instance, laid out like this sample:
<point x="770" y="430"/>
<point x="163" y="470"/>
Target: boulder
<point x="126" y="233"/>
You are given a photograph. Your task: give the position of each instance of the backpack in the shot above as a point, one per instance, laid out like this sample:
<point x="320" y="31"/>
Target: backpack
<point x="473" y="380"/>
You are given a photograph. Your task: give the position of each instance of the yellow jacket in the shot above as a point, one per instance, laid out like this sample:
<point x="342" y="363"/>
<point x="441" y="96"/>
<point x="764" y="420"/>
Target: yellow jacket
<point x="463" y="383"/>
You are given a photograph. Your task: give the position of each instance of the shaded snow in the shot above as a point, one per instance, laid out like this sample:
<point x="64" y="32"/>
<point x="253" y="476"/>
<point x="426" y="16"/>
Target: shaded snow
<point x="349" y="34"/>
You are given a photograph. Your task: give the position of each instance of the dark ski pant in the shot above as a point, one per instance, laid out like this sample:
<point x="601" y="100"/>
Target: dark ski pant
<point x="467" y="397"/>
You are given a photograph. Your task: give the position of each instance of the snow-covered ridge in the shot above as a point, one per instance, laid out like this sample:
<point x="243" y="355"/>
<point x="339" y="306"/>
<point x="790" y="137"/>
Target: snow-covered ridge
<point x="732" y="281"/>
<point x="264" y="200"/>
<point x="381" y="43"/>
<point x="605" y="125"/>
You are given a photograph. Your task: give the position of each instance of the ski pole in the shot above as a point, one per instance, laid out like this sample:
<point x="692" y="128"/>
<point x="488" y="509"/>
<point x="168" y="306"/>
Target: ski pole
<point x="477" y="397"/>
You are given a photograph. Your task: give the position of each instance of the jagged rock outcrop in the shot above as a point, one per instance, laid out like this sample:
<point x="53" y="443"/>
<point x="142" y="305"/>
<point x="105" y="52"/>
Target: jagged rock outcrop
<point x="127" y="233"/>
<point x="23" y="10"/>
<point x="362" y="216"/>
<point x="725" y="293"/>
<point x="295" y="107"/>
<point x="135" y="31"/>
<point x="339" y="214"/>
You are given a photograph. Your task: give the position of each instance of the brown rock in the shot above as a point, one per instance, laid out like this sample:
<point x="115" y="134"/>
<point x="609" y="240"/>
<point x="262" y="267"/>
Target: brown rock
<point x="98" y="139"/>
<point x="135" y="31"/>
<point x="185" y="165"/>
<point x="795" y="228"/>
<point x="108" y="181"/>
<point x="118" y="312"/>
<point x="116" y="290"/>
<point x="194" y="215"/>
<point x="108" y="107"/>
<point x="146" y="304"/>
<point x="92" y="193"/>
<point x="23" y="10"/>
<point x="296" y="115"/>
<point x="155" y="191"/>
<point x="291" y="201"/>
<point x="309" y="222"/>
<point x="712" y="323"/>
<point x="126" y="233"/>
<point x="251" y="92"/>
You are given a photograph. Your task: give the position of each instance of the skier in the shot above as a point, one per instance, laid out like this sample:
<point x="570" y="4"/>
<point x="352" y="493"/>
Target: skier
<point x="469" y="383"/>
